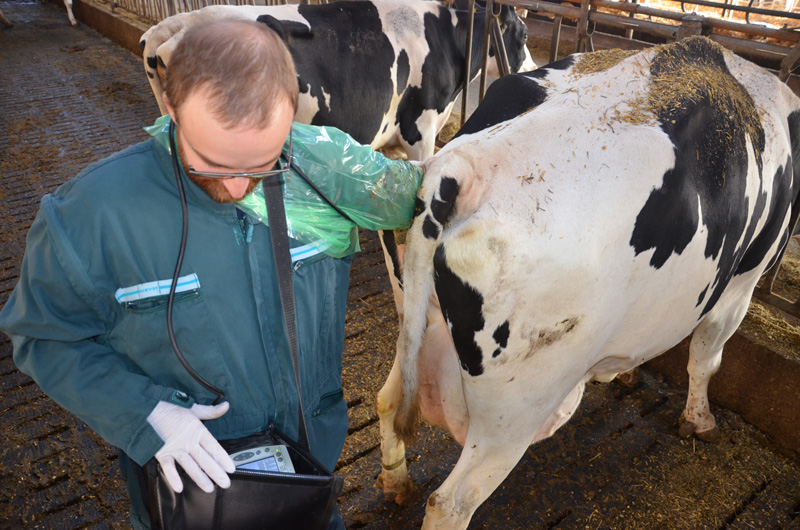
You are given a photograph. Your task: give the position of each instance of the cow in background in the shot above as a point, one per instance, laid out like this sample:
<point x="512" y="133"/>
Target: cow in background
<point x="4" y="21"/>
<point x="70" y="16"/>
<point x="588" y="217"/>
<point x="387" y="72"/>
<point x="67" y="4"/>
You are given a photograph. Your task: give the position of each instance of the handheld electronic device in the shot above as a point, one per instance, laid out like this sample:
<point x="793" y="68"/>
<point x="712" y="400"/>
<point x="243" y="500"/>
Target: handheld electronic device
<point x="264" y="458"/>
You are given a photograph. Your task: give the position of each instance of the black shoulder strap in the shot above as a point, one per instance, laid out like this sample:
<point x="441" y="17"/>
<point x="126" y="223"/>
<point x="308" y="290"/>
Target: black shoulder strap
<point x="276" y="217"/>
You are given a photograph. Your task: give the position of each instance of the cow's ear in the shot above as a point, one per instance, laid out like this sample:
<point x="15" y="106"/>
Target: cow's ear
<point x="274" y="24"/>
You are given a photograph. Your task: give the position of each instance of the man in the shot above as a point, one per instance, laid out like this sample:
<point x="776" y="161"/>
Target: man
<point x="87" y="318"/>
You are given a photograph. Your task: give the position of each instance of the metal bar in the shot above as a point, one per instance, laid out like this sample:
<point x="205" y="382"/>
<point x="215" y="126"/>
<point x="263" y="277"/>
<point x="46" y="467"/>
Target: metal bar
<point x="760" y="31"/>
<point x="663" y="31"/>
<point x="783" y="34"/>
<point x="556" y="39"/>
<point x="583" y="44"/>
<point x="787" y="306"/>
<point x="629" y="32"/>
<point x="486" y="29"/>
<point x="638" y="9"/>
<point x="499" y="48"/>
<point x="753" y="10"/>
<point x="788" y="62"/>
<point x="468" y="61"/>
<point x="573" y="13"/>
<point x="762" y="50"/>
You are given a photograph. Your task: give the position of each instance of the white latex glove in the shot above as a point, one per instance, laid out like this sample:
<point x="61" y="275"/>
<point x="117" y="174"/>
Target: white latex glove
<point x="187" y="441"/>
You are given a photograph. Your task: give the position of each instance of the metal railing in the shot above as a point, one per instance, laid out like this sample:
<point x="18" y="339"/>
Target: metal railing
<point x="154" y="11"/>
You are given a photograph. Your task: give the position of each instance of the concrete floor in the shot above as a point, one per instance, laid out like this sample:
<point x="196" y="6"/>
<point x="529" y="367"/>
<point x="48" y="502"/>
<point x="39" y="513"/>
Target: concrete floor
<point x="69" y="97"/>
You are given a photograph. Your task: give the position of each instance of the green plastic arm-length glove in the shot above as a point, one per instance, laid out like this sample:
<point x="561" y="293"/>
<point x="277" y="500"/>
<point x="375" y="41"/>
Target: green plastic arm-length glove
<point x="376" y="192"/>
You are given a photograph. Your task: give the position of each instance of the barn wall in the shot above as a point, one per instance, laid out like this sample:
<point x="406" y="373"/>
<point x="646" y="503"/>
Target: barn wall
<point x="124" y="31"/>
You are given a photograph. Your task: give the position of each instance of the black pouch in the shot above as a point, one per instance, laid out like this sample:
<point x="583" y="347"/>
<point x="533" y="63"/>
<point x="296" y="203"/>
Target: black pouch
<point x="304" y="500"/>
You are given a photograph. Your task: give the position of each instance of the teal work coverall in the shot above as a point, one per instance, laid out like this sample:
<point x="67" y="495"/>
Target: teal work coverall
<point x="87" y="318"/>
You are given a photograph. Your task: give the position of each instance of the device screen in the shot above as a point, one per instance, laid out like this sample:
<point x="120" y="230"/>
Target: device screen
<point x="265" y="464"/>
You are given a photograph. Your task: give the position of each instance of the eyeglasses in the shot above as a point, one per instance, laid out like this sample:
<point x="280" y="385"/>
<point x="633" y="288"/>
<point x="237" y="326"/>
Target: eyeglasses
<point x="283" y="167"/>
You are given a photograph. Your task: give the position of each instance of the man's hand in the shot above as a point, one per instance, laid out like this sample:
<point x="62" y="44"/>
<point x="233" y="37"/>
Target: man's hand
<point x="187" y="441"/>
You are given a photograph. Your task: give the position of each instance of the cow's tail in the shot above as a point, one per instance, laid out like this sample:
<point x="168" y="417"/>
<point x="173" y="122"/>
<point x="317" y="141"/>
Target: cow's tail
<point x="435" y="206"/>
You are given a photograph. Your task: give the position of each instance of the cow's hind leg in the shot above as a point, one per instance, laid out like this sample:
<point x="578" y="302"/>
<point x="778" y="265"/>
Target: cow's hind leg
<point x="705" y="356"/>
<point x="394" y="479"/>
<point x="485" y="462"/>
<point x="501" y="428"/>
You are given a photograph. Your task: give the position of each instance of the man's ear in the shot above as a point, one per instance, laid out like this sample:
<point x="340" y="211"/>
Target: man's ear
<point x="168" y="105"/>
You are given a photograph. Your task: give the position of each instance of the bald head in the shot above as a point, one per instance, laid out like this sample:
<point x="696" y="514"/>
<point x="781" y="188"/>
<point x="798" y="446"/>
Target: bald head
<point x="243" y="66"/>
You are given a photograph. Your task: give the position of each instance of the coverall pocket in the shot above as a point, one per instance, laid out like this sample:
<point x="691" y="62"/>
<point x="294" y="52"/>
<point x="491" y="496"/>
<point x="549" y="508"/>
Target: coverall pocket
<point x="141" y="334"/>
<point x="159" y="303"/>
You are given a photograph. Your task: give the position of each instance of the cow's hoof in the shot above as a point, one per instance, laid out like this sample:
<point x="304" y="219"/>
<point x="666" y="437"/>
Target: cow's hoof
<point x="688" y="428"/>
<point x="397" y="491"/>
<point x="711" y="436"/>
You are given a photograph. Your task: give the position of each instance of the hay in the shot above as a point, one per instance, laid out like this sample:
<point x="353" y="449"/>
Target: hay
<point x="685" y="76"/>
<point x="600" y="61"/>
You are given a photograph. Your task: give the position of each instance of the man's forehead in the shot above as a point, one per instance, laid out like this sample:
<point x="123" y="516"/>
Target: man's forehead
<point x="204" y="104"/>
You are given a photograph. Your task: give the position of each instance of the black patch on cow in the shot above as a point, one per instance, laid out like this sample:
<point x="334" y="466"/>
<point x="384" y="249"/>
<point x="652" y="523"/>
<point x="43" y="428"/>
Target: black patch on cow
<point x="497" y="352"/>
<point x="561" y="64"/>
<point x="390" y="243"/>
<point x="462" y="307"/>
<point x="506" y="98"/>
<point x="142" y="44"/>
<point x="442" y="208"/>
<point x="403" y="71"/>
<point x="160" y="62"/>
<point x="152" y="62"/>
<point x="442" y="74"/>
<point x="419" y="207"/>
<point x="343" y="37"/>
<point x="773" y="230"/>
<point x="710" y="168"/>
<point x="794" y="137"/>
<point x="430" y="229"/>
<point x="277" y="25"/>
<point x="501" y="334"/>
<point x="702" y="295"/>
<point x="150" y="75"/>
<point x="443" y="68"/>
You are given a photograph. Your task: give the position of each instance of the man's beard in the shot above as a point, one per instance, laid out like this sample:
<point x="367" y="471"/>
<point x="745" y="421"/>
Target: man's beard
<point x="213" y="187"/>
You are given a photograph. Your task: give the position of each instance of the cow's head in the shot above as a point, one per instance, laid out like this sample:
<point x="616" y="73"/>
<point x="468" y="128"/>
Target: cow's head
<point x="515" y="39"/>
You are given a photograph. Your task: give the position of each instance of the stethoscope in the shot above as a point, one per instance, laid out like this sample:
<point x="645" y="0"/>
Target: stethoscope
<point x="182" y="251"/>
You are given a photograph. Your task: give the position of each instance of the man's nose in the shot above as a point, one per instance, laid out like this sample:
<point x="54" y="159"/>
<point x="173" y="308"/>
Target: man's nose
<point x="237" y="186"/>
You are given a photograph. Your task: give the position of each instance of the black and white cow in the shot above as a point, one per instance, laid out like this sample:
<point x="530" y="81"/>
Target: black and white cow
<point x="589" y="216"/>
<point x="385" y="71"/>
